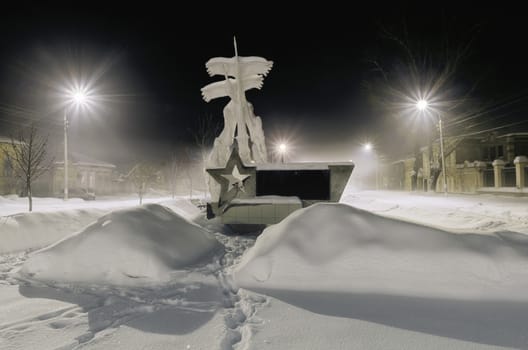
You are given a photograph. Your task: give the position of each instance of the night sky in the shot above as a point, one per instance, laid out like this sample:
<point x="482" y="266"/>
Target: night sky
<point x="151" y="62"/>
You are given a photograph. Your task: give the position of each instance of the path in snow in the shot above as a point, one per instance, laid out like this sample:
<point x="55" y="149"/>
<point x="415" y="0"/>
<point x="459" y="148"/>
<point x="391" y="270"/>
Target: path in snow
<point x="240" y="305"/>
<point x="196" y="308"/>
<point x="8" y="264"/>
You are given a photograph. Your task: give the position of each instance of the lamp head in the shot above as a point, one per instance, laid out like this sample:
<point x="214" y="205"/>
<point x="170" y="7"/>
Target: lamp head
<point x="79" y="97"/>
<point x="421" y="105"/>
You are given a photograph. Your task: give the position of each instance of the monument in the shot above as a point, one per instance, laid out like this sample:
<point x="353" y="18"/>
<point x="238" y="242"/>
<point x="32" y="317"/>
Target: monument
<point x="240" y="123"/>
<point x="245" y="188"/>
<point x="241" y="74"/>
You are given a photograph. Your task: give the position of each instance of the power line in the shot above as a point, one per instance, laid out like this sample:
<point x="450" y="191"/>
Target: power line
<point x="493" y="129"/>
<point x="497" y="106"/>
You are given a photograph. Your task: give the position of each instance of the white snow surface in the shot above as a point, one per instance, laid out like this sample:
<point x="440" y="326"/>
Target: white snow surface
<point x="13" y="204"/>
<point x="327" y="277"/>
<point x="459" y="213"/>
<point x="339" y="261"/>
<point x="29" y="231"/>
<point x="348" y="250"/>
<point x="267" y="200"/>
<point x="129" y="246"/>
<point x="301" y="165"/>
<point x="54" y="219"/>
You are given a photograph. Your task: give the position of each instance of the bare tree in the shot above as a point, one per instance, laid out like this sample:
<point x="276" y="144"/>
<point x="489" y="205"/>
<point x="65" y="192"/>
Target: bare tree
<point x="409" y="68"/>
<point x="27" y="156"/>
<point x="174" y="170"/>
<point x="193" y="156"/>
<point x="204" y="133"/>
<point x="143" y="175"/>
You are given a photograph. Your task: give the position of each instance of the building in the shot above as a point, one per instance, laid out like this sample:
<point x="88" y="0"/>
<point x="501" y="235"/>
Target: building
<point x="85" y="174"/>
<point x="8" y="182"/>
<point x="490" y="163"/>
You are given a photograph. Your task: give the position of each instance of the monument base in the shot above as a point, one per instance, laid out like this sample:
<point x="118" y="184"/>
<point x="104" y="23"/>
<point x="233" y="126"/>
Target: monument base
<point x="264" y="194"/>
<point x="265" y="210"/>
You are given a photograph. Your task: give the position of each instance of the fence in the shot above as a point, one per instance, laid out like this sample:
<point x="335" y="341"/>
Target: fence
<point x="508" y="177"/>
<point x="489" y="178"/>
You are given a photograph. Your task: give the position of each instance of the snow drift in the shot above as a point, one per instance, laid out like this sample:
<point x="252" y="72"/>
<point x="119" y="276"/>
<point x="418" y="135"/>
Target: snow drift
<point x="125" y="247"/>
<point x="37" y="230"/>
<point x="337" y="248"/>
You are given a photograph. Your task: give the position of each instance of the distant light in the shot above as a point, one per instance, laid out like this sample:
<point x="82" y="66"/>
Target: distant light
<point x="79" y="97"/>
<point x="421" y="105"/>
<point x="367" y="146"/>
<point x="282" y="147"/>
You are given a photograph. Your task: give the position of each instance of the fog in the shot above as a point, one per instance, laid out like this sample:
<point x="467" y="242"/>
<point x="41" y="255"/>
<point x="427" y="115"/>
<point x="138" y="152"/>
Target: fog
<point x="147" y="80"/>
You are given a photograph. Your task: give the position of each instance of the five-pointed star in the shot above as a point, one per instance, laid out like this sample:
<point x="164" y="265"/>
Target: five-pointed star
<point x="236" y="179"/>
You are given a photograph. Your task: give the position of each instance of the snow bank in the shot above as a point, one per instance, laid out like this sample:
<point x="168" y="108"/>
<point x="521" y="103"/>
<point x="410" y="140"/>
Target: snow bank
<point x="462" y="213"/>
<point x="59" y="219"/>
<point x="126" y="247"/>
<point x="13" y="204"/>
<point x="337" y="248"/>
<point x="182" y="207"/>
<point x="36" y="230"/>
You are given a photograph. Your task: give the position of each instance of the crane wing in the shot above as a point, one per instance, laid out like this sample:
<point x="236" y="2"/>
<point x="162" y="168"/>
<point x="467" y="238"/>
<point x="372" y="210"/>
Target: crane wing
<point x="215" y="90"/>
<point x="223" y="88"/>
<point x="252" y="82"/>
<point x="248" y="66"/>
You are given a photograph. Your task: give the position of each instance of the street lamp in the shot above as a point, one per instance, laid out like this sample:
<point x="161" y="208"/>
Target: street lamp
<point x="77" y="98"/>
<point x="368" y="147"/>
<point x="422" y="105"/>
<point x="282" y="149"/>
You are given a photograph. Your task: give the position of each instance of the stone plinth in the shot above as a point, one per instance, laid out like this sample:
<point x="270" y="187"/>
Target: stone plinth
<point x="498" y="165"/>
<point x="520" y="163"/>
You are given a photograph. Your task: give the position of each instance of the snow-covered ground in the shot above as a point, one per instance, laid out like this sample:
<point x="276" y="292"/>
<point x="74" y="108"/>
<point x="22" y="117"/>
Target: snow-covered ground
<point x="327" y="277"/>
<point x="343" y="263"/>
<point x="13" y="204"/>
<point x="479" y="213"/>
<point x="143" y="277"/>
<point x="135" y="246"/>
<point x="53" y="218"/>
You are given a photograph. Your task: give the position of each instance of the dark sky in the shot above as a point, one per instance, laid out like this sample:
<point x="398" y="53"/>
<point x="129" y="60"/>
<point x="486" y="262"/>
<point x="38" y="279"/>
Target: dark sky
<point x="152" y="61"/>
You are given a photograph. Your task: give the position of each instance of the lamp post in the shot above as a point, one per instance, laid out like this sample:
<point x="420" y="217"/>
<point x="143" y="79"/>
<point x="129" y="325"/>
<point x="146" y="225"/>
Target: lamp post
<point x="368" y="147"/>
<point x="77" y="98"/>
<point x="422" y="106"/>
<point x="66" y="153"/>
<point x="282" y="150"/>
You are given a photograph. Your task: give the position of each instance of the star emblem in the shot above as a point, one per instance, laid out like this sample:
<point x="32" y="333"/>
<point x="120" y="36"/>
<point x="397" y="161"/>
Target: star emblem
<point x="234" y="184"/>
<point x="236" y="179"/>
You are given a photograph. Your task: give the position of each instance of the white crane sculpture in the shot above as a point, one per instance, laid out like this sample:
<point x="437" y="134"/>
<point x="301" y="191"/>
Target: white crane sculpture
<point x="241" y="74"/>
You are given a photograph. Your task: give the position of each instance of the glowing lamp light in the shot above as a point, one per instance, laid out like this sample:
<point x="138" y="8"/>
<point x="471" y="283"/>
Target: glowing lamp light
<point x="367" y="146"/>
<point x="282" y="148"/>
<point x="79" y="97"/>
<point x="421" y="105"/>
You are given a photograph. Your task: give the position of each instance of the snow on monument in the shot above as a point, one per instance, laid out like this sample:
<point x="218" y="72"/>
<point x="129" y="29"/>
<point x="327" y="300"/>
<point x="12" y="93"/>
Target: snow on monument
<point x="240" y="123"/>
<point x="245" y="188"/>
